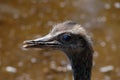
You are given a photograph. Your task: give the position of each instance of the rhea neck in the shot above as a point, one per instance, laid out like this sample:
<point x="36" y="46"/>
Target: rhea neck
<point x="81" y="64"/>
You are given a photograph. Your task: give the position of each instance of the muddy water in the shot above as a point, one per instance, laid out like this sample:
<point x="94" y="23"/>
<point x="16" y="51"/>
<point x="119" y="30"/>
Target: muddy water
<point x="27" y="19"/>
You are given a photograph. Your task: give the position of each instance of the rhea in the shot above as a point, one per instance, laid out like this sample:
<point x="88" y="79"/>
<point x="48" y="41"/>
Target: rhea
<point x="73" y="40"/>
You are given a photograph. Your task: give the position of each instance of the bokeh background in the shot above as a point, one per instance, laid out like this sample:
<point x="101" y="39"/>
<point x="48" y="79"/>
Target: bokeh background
<point x="28" y="19"/>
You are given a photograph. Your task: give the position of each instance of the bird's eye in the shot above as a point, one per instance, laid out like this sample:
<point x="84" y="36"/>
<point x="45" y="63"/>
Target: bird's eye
<point x="66" y="37"/>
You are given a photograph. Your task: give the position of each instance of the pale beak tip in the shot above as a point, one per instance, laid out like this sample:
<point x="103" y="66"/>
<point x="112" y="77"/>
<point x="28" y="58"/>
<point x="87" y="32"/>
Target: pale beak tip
<point x="25" y="46"/>
<point x="27" y="43"/>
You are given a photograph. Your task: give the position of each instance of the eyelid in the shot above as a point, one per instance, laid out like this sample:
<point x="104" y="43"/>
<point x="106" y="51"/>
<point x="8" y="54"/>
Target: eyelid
<point x="61" y="39"/>
<point x="66" y="36"/>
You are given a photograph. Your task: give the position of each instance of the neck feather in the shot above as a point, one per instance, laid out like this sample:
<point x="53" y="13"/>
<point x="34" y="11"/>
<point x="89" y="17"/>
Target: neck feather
<point x="82" y="65"/>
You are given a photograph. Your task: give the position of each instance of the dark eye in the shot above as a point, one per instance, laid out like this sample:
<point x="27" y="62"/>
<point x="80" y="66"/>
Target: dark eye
<point x="66" y="37"/>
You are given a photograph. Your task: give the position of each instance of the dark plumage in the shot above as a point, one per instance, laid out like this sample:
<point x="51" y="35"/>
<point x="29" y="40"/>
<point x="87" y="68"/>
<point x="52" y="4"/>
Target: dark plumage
<point x="73" y="40"/>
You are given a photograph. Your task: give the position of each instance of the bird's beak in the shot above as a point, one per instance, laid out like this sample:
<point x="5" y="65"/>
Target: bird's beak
<point x="46" y="41"/>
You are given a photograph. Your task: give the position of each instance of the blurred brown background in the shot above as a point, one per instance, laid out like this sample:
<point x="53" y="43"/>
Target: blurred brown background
<point x="28" y="19"/>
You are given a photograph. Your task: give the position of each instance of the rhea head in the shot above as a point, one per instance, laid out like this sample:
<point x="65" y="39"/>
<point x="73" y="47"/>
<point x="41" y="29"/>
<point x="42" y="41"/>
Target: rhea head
<point x="68" y="36"/>
<point x="73" y="40"/>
